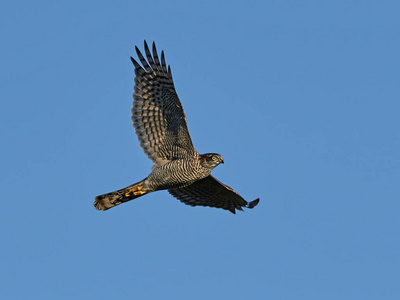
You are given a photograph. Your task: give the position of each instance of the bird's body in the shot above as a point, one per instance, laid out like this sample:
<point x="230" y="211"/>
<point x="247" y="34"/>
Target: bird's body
<point x="178" y="173"/>
<point x="160" y="124"/>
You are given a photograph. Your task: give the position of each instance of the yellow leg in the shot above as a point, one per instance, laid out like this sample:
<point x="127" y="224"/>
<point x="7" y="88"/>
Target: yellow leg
<point x="136" y="191"/>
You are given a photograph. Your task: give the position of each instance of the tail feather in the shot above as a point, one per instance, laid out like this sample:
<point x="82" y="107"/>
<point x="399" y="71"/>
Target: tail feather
<point x="109" y="200"/>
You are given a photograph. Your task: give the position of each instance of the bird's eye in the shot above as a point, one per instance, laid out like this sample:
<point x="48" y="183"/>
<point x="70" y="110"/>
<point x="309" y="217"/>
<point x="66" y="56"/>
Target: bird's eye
<point x="214" y="158"/>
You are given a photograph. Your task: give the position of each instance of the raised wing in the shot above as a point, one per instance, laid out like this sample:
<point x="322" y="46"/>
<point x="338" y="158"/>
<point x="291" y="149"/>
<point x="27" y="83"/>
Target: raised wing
<point x="213" y="193"/>
<point x="157" y="113"/>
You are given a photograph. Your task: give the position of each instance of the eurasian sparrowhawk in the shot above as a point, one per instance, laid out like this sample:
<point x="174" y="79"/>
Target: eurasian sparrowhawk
<point x="160" y="124"/>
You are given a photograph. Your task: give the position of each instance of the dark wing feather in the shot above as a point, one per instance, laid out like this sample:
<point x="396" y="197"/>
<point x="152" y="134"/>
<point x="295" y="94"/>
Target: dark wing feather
<point x="157" y="113"/>
<point x="213" y="193"/>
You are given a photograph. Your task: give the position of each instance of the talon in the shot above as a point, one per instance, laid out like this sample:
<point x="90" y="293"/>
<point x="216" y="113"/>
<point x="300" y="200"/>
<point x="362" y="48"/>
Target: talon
<point x="136" y="191"/>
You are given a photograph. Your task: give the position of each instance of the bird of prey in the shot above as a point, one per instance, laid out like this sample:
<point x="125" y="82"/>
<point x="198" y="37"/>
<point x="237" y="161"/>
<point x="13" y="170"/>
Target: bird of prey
<point x="161" y="128"/>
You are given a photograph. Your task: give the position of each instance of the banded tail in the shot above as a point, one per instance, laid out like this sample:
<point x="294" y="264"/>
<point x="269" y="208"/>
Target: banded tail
<point x="107" y="201"/>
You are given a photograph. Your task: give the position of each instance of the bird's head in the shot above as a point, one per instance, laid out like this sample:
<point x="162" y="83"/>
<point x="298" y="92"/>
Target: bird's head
<point x="211" y="160"/>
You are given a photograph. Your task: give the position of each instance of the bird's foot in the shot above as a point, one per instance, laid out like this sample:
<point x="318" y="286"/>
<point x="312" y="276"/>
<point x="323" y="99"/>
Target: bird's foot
<point x="136" y="191"/>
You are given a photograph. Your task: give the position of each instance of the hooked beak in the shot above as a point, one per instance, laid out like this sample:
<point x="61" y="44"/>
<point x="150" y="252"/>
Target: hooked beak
<point x="222" y="161"/>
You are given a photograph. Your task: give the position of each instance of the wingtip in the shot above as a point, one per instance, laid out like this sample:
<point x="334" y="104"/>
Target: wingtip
<point x="135" y="63"/>
<point x="146" y="47"/>
<point x="253" y="203"/>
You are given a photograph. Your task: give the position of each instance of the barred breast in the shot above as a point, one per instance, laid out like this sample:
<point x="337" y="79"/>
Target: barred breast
<point x="177" y="173"/>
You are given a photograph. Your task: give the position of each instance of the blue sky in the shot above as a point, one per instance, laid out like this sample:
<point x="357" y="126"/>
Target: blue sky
<point x="301" y="98"/>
